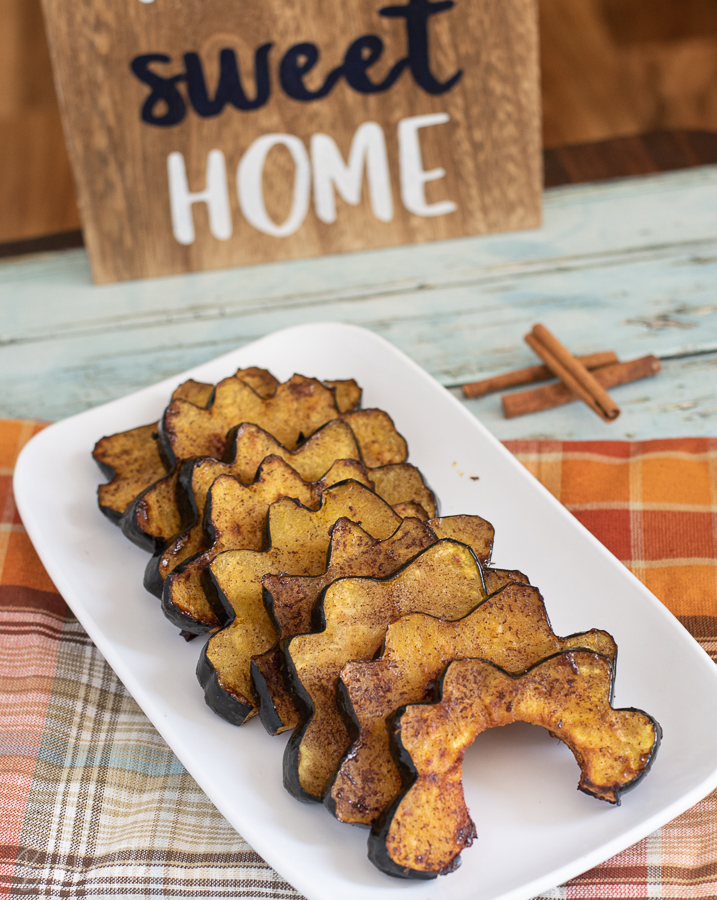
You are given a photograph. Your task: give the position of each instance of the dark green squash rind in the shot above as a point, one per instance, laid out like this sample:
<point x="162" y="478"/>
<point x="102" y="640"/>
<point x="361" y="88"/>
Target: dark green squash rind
<point x="220" y="607"/>
<point x="377" y="851"/>
<point x="267" y="712"/>
<point x="131" y="530"/>
<point x="153" y="581"/>
<point x="217" y="699"/>
<point x="290" y="764"/>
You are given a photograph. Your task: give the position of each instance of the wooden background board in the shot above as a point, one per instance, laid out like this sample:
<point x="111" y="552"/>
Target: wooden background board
<point x="490" y="149"/>
<point x="609" y="68"/>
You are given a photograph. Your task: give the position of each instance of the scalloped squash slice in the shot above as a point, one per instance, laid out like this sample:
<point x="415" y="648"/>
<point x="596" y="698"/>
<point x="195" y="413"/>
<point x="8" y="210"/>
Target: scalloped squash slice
<point x="249" y="445"/>
<point x="569" y="694"/>
<point x="235" y="518"/>
<point x="471" y="530"/>
<point x="445" y="580"/>
<point x="132" y="459"/>
<point x="401" y="483"/>
<point x="259" y="380"/>
<point x="510" y="629"/>
<point x="290" y="599"/>
<point x="297" y="409"/>
<point x="380" y="443"/>
<point x="347" y="394"/>
<point x="300" y="542"/>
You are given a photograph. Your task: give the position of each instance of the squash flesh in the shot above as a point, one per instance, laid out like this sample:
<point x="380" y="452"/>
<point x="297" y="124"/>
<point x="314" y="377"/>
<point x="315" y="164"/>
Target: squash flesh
<point x="402" y="482"/>
<point x="445" y="580"/>
<point x="380" y="443"/>
<point x="235" y="519"/>
<point x="300" y="541"/>
<point x="299" y="407"/>
<point x="132" y="459"/>
<point x="347" y="394"/>
<point x="569" y="694"/>
<point x="510" y="629"/>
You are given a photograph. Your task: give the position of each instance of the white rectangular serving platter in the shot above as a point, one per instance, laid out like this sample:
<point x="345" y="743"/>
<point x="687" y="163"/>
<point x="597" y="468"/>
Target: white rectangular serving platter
<point x="535" y="830"/>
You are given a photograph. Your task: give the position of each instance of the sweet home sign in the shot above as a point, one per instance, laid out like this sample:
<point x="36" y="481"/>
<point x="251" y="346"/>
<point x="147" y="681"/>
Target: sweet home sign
<point x="209" y="133"/>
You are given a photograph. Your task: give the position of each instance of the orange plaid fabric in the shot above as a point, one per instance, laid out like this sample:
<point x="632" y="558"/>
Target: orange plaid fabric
<point x="19" y="564"/>
<point x="653" y="504"/>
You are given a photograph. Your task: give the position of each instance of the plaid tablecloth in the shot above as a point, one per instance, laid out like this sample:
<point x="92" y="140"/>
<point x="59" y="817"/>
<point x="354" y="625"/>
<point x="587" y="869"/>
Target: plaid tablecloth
<point x="93" y="803"/>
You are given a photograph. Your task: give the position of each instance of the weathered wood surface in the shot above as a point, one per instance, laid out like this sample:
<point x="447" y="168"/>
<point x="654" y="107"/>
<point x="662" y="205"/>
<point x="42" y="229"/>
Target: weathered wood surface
<point x="629" y="266"/>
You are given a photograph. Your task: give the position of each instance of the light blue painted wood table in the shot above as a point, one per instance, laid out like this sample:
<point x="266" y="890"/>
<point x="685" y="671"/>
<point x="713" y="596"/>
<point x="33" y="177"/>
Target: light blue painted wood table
<point x="626" y="265"/>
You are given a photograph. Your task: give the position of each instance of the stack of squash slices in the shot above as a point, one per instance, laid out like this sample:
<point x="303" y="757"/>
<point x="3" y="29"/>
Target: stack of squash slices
<point x="284" y="521"/>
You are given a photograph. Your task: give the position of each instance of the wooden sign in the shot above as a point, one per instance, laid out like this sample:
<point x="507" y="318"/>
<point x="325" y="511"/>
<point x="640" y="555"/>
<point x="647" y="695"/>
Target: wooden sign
<point x="209" y="133"/>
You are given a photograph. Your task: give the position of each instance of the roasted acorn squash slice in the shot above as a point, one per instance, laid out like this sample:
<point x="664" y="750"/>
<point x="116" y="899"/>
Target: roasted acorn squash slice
<point x="132" y="459"/>
<point x="249" y="446"/>
<point x="299" y="543"/>
<point x="347" y="394"/>
<point x="569" y="694"/>
<point x="510" y="629"/>
<point x="235" y="519"/>
<point x="299" y="407"/>
<point x="380" y="443"/>
<point x="445" y="580"/>
<point x="290" y="599"/>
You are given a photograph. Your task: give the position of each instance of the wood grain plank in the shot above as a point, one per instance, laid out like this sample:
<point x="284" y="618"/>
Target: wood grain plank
<point x="681" y="401"/>
<point x="582" y="224"/>
<point x="460" y="310"/>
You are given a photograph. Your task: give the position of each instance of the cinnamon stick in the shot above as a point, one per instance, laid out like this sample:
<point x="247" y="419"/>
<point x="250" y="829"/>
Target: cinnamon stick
<point x="531" y="375"/>
<point x="552" y="395"/>
<point x="572" y="373"/>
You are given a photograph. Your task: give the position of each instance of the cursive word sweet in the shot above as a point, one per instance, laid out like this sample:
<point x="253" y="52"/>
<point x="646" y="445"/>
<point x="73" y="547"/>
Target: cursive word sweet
<point x="165" y="105"/>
